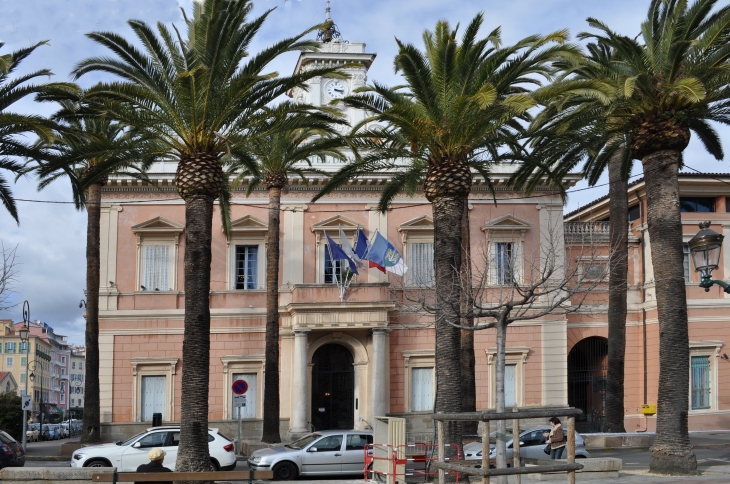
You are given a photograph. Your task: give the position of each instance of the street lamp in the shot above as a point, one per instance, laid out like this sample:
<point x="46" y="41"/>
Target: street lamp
<point x="705" y="248"/>
<point x="24" y="333"/>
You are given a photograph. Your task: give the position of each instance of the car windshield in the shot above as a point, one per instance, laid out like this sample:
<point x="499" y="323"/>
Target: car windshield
<point x="130" y="441"/>
<point x="304" y="441"/>
<point x="33" y="427"/>
<point x="493" y="435"/>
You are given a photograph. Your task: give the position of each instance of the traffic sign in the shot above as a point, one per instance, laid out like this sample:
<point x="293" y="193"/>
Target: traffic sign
<point x="25" y="402"/>
<point x="239" y="400"/>
<point x="239" y="387"/>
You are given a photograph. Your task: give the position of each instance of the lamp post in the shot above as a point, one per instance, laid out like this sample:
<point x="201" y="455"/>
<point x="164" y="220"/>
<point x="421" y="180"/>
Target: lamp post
<point x="705" y="248"/>
<point x="33" y="366"/>
<point x="25" y="339"/>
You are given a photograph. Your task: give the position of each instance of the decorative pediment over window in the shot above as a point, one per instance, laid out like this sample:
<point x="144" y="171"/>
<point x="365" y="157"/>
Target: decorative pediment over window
<point x="249" y="224"/>
<point x="507" y="223"/>
<point x="332" y="226"/>
<point x="420" y="226"/>
<point x="158" y="225"/>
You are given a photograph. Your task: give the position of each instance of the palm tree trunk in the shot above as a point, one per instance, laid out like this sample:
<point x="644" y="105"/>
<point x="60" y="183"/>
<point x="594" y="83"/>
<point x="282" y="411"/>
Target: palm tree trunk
<point x="617" y="291"/>
<point x="672" y="451"/>
<point x="501" y="440"/>
<point x="91" y="430"/>
<point x="468" y="361"/>
<point x="447" y="215"/>
<point x="193" y="453"/>
<point x="271" y="370"/>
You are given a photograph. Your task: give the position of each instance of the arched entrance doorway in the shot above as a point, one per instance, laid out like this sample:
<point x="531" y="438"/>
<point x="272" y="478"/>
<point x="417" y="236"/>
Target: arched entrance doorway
<point x="587" y="368"/>
<point x="333" y="388"/>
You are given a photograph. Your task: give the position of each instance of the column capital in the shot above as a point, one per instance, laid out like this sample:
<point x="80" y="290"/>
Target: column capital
<point x="301" y="331"/>
<point x="381" y="331"/>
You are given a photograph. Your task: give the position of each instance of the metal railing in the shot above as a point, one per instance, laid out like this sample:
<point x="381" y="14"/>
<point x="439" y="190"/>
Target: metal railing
<point x="485" y="472"/>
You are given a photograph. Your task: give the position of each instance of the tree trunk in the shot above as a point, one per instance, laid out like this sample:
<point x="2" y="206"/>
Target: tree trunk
<point x="271" y="370"/>
<point x="193" y="453"/>
<point x="91" y="429"/>
<point x="617" y="291"/>
<point x="501" y="440"/>
<point x="447" y="214"/>
<point x="468" y="361"/>
<point x="672" y="451"/>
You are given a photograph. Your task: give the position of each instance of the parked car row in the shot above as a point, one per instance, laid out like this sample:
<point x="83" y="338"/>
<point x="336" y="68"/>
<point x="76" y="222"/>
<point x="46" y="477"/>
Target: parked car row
<point x="11" y="452"/>
<point x="34" y="433"/>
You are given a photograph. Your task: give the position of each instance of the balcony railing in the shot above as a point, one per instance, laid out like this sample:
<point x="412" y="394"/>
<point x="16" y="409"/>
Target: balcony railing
<point x="594" y="231"/>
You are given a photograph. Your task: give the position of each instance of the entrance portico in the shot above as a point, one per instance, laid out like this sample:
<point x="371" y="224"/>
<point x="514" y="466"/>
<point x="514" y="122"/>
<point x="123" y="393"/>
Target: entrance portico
<point x="347" y="334"/>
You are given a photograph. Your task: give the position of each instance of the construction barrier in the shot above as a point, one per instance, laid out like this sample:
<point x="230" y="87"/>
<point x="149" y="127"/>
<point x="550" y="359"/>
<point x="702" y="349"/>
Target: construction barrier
<point x="415" y="459"/>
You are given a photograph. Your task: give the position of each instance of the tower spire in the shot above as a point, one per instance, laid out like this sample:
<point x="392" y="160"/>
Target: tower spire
<point x="329" y="30"/>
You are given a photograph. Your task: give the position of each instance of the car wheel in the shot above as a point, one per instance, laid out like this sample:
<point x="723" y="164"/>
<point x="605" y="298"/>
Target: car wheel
<point x="214" y="465"/>
<point x="285" y="471"/>
<point x="97" y="463"/>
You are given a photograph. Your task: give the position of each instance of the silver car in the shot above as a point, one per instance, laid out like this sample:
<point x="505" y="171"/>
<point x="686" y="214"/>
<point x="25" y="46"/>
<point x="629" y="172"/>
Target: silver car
<point x="532" y="443"/>
<point x="325" y="453"/>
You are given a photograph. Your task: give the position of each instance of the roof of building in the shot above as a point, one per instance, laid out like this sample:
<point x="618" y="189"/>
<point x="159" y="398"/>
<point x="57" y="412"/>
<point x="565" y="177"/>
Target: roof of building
<point x="7" y="375"/>
<point x="640" y="181"/>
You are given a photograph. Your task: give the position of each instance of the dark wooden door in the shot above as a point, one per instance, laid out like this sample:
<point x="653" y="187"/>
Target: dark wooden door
<point x="333" y="388"/>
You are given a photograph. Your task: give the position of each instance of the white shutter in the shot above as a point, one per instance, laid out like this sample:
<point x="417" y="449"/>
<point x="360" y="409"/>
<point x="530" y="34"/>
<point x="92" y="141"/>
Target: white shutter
<point x="420" y="263"/>
<point x="156" y="267"/>
<point x="249" y="411"/>
<point x="510" y="385"/>
<point x="153" y="397"/>
<point x="421" y="389"/>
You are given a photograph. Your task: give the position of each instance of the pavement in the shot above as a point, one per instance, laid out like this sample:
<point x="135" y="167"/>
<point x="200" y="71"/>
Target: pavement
<point x="712" y="449"/>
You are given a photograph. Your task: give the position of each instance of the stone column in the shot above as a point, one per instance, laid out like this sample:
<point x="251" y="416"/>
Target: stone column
<point x="379" y="377"/>
<point x="300" y="391"/>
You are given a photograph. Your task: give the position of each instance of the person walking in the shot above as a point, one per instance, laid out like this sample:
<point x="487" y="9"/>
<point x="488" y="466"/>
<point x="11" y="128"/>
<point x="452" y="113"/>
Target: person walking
<point x="156" y="456"/>
<point x="556" y="439"/>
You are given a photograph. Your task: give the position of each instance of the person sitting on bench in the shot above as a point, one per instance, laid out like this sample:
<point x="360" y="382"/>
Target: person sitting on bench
<point x="156" y="457"/>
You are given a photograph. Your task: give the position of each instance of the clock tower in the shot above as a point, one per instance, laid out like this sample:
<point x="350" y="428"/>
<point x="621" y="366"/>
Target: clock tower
<point x="333" y="51"/>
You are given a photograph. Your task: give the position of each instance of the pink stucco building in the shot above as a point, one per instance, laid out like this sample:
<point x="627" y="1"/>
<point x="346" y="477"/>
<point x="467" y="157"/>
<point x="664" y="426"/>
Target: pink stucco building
<point x="344" y="362"/>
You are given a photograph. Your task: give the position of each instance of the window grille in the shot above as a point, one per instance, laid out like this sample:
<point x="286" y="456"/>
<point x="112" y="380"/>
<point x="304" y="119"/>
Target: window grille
<point x="421" y="389"/>
<point x="247" y="257"/>
<point x="156" y="267"/>
<point x="700" y="382"/>
<point x="420" y="263"/>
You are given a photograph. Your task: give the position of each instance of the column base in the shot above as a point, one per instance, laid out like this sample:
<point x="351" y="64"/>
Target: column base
<point x="295" y="434"/>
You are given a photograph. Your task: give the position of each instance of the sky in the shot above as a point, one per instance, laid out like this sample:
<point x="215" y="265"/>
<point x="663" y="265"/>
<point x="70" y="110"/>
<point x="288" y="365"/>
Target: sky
<point x="51" y="238"/>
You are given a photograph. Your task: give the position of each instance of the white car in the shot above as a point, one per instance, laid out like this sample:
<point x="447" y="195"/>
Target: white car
<point x="127" y="456"/>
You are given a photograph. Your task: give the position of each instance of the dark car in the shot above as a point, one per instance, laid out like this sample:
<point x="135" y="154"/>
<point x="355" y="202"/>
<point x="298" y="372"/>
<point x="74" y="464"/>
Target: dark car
<point x="11" y="452"/>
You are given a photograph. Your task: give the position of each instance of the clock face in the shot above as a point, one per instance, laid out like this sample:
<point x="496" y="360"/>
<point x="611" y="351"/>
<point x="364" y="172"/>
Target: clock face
<point x="336" y="89"/>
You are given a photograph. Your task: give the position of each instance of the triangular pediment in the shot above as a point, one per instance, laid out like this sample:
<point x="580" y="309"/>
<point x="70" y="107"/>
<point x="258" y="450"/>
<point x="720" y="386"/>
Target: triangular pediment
<point x="336" y="222"/>
<point x="423" y="222"/>
<point x="507" y="222"/>
<point x="249" y="223"/>
<point x="158" y="224"/>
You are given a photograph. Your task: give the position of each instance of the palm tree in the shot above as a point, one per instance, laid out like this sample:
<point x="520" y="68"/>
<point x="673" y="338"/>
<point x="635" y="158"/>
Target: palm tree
<point x="674" y="79"/>
<point x="272" y="157"/>
<point x="86" y="149"/>
<point x="13" y="124"/>
<point x="569" y="131"/>
<point x="200" y="98"/>
<point x="460" y="110"/>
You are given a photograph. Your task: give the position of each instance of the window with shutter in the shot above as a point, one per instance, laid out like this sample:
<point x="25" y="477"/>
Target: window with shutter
<point x="685" y="263"/>
<point x="156" y="268"/>
<point x="247" y="268"/>
<point x="332" y="269"/>
<point x="510" y="385"/>
<point x="700" y="376"/>
<point x="249" y="411"/>
<point x="153" y="397"/>
<point x="420" y="263"/>
<point x="421" y="389"/>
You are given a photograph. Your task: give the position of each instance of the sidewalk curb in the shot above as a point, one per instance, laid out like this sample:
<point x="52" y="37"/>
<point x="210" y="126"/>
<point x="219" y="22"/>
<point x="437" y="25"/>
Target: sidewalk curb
<point x="47" y="458"/>
<point x="646" y="447"/>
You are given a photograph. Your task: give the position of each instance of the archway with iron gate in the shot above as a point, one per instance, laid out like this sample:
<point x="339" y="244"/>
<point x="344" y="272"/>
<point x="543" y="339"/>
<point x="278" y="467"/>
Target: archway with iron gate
<point x="587" y="371"/>
<point x="333" y="388"/>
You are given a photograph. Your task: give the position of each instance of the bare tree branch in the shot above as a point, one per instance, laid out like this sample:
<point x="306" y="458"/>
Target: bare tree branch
<point x="8" y="273"/>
